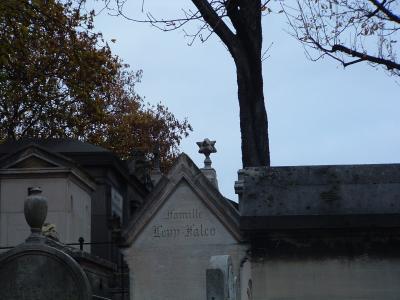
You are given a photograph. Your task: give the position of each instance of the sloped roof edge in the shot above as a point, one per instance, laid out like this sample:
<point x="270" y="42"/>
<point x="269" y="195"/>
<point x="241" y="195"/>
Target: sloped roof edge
<point x="56" y="159"/>
<point x="61" y="145"/>
<point x="184" y="169"/>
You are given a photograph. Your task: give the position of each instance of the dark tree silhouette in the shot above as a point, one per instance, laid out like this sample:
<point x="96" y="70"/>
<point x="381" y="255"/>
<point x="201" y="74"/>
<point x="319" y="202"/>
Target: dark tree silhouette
<point x="238" y="24"/>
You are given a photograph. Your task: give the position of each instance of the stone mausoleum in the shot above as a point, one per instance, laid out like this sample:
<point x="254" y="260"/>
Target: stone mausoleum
<point x="306" y="232"/>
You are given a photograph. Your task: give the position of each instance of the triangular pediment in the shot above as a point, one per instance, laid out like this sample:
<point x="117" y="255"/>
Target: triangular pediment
<point x="184" y="205"/>
<point x="32" y="161"/>
<point x="34" y="157"/>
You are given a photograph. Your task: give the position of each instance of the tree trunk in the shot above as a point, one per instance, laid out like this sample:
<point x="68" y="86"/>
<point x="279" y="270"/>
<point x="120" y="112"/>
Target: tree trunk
<point x="247" y="55"/>
<point x="253" y="116"/>
<point x="245" y="47"/>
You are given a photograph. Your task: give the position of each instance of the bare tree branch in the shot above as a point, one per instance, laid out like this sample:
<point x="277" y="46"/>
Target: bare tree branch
<point x="387" y="12"/>
<point x="367" y="30"/>
<point x="365" y="57"/>
<point x="216" y="23"/>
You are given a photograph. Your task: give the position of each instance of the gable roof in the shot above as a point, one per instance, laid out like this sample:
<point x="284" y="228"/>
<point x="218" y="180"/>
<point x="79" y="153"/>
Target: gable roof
<point x="33" y="159"/>
<point x="81" y="154"/>
<point x="184" y="169"/>
<point x="62" y="145"/>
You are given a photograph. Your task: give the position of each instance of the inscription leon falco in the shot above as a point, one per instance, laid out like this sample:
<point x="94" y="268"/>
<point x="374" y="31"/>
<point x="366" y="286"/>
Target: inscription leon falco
<point x="188" y="228"/>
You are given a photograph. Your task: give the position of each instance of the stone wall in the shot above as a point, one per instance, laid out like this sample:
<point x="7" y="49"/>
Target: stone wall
<point x="322" y="232"/>
<point x="69" y="208"/>
<point x="334" y="279"/>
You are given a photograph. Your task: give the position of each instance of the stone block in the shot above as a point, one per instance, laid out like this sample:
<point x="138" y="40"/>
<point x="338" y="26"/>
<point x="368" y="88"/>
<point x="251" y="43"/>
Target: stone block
<point x="319" y="196"/>
<point x="215" y="284"/>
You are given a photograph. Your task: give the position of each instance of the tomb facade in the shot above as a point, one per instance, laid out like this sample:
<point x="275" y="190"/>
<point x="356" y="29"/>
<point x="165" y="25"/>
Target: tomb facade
<point x="184" y="222"/>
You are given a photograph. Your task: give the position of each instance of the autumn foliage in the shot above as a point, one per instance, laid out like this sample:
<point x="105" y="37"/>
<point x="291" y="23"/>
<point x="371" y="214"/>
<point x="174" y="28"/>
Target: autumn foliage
<point x="58" y="78"/>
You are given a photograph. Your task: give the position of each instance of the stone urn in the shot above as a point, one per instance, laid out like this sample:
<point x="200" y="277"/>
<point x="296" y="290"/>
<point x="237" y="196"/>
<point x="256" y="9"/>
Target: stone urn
<point x="35" y="210"/>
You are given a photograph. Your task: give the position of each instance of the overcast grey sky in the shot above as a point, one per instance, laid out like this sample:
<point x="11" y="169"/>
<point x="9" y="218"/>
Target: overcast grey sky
<point x="319" y="113"/>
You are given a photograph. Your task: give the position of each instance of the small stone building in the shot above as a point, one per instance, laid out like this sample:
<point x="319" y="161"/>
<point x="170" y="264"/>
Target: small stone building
<point x="92" y="193"/>
<point x="184" y="222"/>
<point x="68" y="171"/>
<point x="69" y="188"/>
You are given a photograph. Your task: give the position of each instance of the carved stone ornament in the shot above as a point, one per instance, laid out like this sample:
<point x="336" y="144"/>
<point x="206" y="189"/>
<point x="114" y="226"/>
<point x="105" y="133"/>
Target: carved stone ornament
<point x="207" y="147"/>
<point x="35" y="210"/>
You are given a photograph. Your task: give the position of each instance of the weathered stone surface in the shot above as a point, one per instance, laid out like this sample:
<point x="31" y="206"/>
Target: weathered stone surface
<point x="245" y="281"/>
<point x="315" y="196"/>
<point x="322" y="232"/>
<point x="220" y="286"/>
<point x="334" y="279"/>
<point x="40" y="272"/>
<point x="100" y="273"/>
<point x="215" y="284"/>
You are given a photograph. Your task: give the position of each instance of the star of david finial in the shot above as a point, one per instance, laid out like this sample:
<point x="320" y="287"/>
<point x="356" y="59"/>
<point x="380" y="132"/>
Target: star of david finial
<point x="207" y="147"/>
